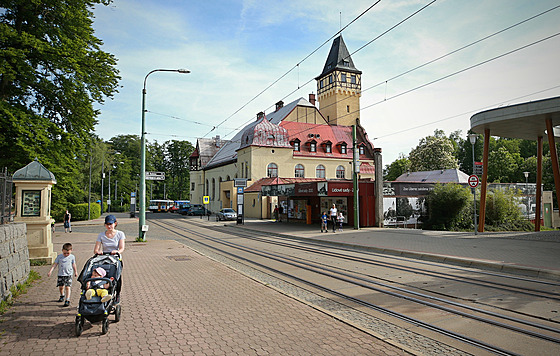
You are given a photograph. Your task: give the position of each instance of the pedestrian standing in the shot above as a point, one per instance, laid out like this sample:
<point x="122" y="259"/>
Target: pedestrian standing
<point x="340" y="219"/>
<point x="67" y="218"/>
<point x="324" y="222"/>
<point x="66" y="263"/>
<point x="276" y="213"/>
<point x="333" y="214"/>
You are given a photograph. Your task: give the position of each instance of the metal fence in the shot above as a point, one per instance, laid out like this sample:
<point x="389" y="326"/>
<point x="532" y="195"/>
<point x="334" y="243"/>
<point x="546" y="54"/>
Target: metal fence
<point x="6" y="197"/>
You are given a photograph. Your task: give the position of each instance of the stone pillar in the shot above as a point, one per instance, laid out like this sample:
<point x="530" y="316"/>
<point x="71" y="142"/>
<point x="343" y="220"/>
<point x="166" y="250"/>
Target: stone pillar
<point x="377" y="159"/>
<point x="33" y="185"/>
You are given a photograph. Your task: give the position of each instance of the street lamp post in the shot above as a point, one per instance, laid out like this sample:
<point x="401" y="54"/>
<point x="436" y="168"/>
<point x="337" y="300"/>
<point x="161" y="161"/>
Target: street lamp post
<point x="526" y="174"/>
<point x="142" y="199"/>
<point x="472" y="138"/>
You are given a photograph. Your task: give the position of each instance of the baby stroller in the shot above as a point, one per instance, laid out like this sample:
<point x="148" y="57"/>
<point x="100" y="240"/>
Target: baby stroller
<point x="94" y="310"/>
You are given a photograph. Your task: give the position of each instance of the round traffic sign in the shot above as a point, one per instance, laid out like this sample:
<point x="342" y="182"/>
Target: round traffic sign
<point x="473" y="181"/>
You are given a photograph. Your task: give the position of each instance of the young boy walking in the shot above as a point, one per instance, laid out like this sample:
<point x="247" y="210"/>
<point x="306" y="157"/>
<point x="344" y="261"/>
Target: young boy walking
<point x="324" y="221"/>
<point x="66" y="263"/>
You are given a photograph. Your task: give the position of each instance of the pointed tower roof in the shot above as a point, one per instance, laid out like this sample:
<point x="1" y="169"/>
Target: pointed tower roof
<point x="339" y="58"/>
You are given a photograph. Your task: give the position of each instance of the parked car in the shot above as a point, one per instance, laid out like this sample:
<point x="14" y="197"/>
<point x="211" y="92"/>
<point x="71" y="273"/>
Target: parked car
<point x="226" y="214"/>
<point x="199" y="211"/>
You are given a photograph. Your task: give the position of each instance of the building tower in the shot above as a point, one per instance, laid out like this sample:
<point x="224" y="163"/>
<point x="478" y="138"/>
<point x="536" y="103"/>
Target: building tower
<point x="339" y="87"/>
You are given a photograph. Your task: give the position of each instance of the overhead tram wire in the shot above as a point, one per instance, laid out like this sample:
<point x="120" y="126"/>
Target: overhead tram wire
<point x="436" y="59"/>
<point x="294" y="67"/>
<point x="384" y="81"/>
<point x="465" y="113"/>
<point x="452" y="74"/>
<point x="333" y="36"/>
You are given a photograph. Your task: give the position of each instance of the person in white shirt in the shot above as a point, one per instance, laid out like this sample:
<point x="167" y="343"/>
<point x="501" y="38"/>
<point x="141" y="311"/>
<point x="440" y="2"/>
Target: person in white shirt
<point x="333" y="214"/>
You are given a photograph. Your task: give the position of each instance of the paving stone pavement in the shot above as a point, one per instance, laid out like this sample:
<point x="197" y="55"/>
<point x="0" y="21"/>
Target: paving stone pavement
<point x="177" y="302"/>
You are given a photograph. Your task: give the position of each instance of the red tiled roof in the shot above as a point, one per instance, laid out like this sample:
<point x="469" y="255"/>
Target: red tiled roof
<point x="256" y="187"/>
<point x="367" y="168"/>
<point x="323" y="133"/>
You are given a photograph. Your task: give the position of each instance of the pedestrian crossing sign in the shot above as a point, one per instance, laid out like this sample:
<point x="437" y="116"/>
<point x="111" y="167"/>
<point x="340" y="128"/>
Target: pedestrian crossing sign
<point x="206" y="199"/>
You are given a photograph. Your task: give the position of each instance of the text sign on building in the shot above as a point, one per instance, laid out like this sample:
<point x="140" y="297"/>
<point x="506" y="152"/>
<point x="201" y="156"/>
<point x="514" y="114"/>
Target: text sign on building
<point x="155" y="175"/>
<point x="240" y="182"/>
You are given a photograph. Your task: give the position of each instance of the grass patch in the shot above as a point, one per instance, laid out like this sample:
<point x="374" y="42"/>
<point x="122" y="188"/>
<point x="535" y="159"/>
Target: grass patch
<point x="38" y="263"/>
<point x="18" y="290"/>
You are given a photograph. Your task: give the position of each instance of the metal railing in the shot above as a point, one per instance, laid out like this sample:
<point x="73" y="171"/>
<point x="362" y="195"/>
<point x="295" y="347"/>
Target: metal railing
<point x="6" y="198"/>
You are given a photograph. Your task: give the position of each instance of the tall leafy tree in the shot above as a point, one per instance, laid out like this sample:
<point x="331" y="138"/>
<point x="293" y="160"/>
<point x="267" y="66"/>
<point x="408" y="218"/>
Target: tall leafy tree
<point x="433" y="152"/>
<point x="397" y="167"/>
<point x="52" y="71"/>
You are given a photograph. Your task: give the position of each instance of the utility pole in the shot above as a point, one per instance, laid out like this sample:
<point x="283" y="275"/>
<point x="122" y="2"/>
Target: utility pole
<point x="355" y="171"/>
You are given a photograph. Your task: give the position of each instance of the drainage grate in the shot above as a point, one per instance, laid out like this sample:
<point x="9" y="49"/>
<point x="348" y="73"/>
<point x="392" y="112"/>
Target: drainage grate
<point x="179" y="258"/>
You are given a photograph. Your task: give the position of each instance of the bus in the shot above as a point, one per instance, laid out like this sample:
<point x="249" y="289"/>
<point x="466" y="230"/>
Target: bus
<point x="181" y="205"/>
<point x="160" y="205"/>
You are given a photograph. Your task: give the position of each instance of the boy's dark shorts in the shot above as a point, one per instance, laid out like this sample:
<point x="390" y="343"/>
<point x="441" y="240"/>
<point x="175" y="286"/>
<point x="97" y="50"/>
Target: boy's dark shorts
<point x="64" y="281"/>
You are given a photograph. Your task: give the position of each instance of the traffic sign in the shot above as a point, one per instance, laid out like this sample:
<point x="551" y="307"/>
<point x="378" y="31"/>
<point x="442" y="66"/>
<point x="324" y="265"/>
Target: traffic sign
<point x="155" y="175"/>
<point x="478" y="168"/>
<point x="206" y="199"/>
<point x="473" y="181"/>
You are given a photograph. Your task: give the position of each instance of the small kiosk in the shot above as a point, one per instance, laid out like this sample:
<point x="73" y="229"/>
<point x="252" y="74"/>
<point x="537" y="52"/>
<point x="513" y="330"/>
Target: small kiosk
<point x="33" y="185"/>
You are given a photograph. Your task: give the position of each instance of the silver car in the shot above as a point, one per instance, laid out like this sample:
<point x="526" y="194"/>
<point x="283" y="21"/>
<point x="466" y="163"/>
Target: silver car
<point x="226" y="214"/>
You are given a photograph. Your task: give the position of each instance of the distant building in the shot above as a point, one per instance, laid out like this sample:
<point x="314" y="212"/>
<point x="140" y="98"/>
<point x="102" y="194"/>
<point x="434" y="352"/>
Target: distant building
<point x="299" y="156"/>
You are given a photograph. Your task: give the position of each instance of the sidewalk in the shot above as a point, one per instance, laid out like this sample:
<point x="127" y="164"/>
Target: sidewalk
<point x="531" y="254"/>
<point x="175" y="301"/>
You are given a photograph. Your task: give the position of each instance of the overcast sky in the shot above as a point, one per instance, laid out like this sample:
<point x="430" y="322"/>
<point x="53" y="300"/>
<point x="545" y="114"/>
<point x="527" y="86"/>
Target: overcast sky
<point x="237" y="49"/>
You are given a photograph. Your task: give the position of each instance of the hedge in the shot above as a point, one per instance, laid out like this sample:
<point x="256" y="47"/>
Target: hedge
<point x="78" y="212"/>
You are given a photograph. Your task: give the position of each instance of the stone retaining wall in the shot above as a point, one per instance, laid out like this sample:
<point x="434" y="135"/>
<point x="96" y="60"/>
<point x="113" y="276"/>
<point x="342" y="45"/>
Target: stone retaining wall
<point x="14" y="257"/>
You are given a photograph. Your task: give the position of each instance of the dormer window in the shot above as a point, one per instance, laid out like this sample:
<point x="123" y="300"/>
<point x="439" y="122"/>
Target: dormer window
<point x="296" y="144"/>
<point x="343" y="148"/>
<point x="362" y="149"/>
<point x="313" y="147"/>
<point x="328" y="148"/>
<point x="346" y="63"/>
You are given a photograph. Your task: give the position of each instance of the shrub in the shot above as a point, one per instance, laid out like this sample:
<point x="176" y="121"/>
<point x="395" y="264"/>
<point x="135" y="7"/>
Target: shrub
<point x="78" y="211"/>
<point x="448" y="208"/>
<point x="502" y="212"/>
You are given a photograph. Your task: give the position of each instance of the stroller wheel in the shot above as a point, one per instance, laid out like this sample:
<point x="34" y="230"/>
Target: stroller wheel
<point x="105" y="326"/>
<point x="79" y="325"/>
<point x="117" y="313"/>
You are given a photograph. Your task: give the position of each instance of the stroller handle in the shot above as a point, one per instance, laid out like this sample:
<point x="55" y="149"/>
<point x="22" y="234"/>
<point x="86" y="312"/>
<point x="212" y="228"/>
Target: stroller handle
<point x="107" y="254"/>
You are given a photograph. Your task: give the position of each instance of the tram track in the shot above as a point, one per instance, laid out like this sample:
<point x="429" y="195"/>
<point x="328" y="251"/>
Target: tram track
<point x="352" y="278"/>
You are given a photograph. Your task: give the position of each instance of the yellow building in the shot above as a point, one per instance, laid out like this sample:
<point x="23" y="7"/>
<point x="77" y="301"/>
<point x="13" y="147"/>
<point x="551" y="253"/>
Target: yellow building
<point x="298" y="143"/>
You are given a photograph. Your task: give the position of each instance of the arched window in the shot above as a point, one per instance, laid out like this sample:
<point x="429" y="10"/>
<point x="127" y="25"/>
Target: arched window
<point x="340" y="172"/>
<point x="213" y="189"/>
<point x="272" y="170"/>
<point x="228" y="178"/>
<point x="207" y="187"/>
<point x="300" y="171"/>
<point x="320" y="171"/>
<point x="219" y="188"/>
<point x="246" y="170"/>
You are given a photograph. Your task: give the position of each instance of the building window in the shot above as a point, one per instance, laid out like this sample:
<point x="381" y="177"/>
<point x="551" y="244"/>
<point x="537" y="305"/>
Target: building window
<point x="343" y="149"/>
<point x="193" y="186"/>
<point x="362" y="150"/>
<point x="328" y="148"/>
<point x="353" y="79"/>
<point x="330" y="79"/>
<point x="343" y="77"/>
<point x="246" y="170"/>
<point x="296" y="146"/>
<point x="313" y="147"/>
<point x="320" y="171"/>
<point x="300" y="171"/>
<point x="321" y="84"/>
<point x="207" y="187"/>
<point x="272" y="170"/>
<point x="213" y="189"/>
<point x="346" y="63"/>
<point x="340" y="172"/>
<point x="347" y="108"/>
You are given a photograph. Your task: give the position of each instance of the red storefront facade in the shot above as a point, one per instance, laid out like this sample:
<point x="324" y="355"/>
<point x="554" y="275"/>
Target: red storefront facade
<point x="305" y="202"/>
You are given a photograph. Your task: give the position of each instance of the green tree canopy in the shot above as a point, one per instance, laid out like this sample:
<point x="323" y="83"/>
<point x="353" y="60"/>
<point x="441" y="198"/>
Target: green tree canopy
<point x="397" y="167"/>
<point x="433" y="152"/>
<point x="52" y="71"/>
